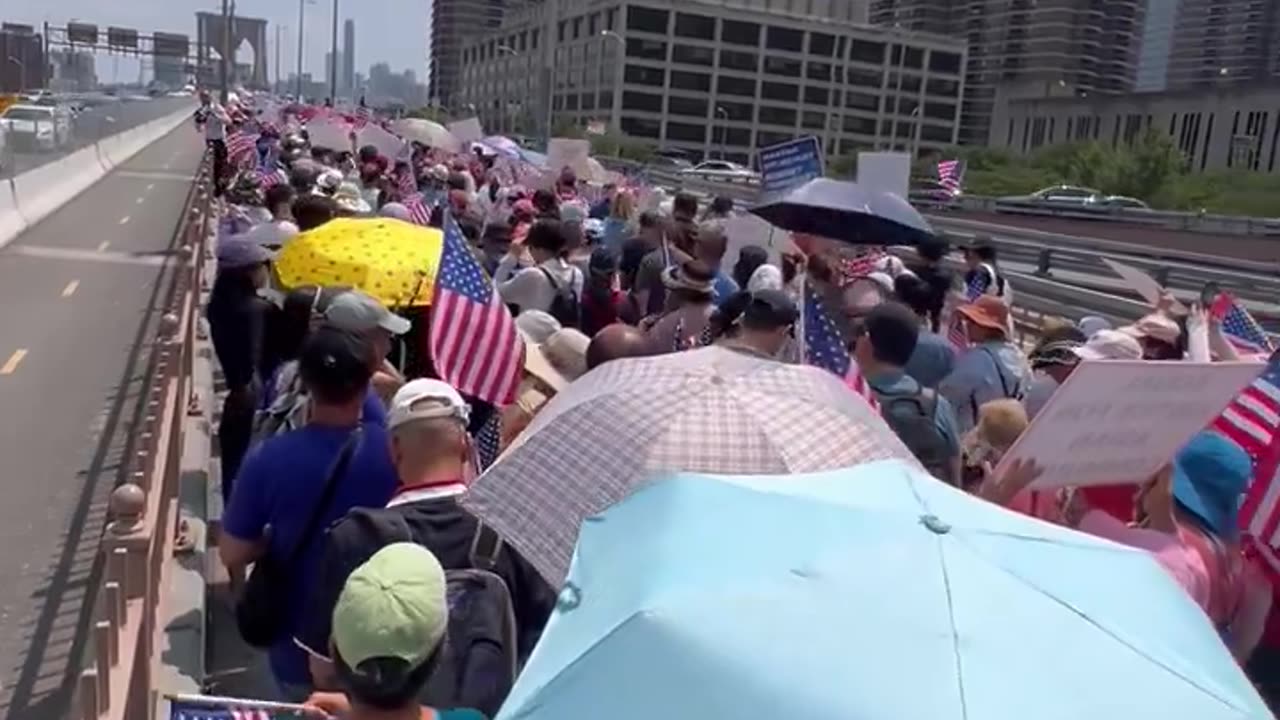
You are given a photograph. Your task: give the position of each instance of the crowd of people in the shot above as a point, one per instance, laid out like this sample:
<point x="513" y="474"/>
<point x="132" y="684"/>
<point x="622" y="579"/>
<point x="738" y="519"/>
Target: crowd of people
<point x="345" y="456"/>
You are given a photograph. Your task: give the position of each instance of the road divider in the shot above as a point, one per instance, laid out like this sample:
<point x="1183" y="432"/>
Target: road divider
<point x="34" y="195"/>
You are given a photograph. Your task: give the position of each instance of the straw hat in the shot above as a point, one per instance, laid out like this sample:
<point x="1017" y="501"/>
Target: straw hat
<point x="558" y="361"/>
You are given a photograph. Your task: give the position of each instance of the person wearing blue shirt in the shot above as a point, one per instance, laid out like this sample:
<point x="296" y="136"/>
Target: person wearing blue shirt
<point x="281" y="481"/>
<point x="923" y="419"/>
<point x="712" y="244"/>
<point x="934" y="357"/>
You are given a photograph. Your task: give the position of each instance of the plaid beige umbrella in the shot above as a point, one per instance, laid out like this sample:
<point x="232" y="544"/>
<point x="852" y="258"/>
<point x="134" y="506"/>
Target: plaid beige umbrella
<point x="710" y="410"/>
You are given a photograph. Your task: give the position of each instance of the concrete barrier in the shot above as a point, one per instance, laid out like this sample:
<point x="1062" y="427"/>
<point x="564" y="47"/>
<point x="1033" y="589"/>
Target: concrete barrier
<point x="37" y="193"/>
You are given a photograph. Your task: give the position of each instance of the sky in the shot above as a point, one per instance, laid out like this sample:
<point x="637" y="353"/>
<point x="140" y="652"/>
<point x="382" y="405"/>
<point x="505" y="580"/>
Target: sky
<point x="391" y="31"/>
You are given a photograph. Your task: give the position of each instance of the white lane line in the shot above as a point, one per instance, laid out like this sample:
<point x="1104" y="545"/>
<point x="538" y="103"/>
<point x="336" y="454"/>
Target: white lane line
<point x="139" y="201"/>
<point x="14" y="360"/>
<point x="114" y="258"/>
<point x="124" y="220"/>
<point x="102" y="246"/>
<point x="150" y="187"/>
<point x="70" y="289"/>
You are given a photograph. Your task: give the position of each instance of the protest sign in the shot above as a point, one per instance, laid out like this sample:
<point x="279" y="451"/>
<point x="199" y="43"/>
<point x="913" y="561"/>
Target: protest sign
<point x="1118" y="422"/>
<point x="388" y="144"/>
<point x="467" y="130"/>
<point x="885" y="171"/>
<point x="788" y="165"/>
<point x="1142" y="283"/>
<point x="329" y="134"/>
<point x="569" y="153"/>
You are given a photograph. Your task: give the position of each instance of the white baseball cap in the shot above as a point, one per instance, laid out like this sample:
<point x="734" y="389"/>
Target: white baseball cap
<point x="1109" y="345"/>
<point x="425" y="399"/>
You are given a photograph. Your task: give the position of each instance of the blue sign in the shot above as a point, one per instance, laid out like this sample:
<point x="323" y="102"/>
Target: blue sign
<point x="789" y="164"/>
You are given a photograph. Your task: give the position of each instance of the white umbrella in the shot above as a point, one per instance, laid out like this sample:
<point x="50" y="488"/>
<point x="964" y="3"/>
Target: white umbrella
<point x="431" y="134"/>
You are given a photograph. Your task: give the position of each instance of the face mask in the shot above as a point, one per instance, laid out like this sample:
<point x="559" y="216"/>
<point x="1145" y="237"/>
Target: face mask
<point x="1042" y="388"/>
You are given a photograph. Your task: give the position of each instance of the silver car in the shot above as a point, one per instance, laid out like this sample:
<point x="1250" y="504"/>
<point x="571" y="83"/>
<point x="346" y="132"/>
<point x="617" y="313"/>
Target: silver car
<point x="36" y="127"/>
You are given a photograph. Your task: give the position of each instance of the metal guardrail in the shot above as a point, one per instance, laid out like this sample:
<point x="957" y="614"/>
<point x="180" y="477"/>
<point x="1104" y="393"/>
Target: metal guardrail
<point x="117" y="680"/>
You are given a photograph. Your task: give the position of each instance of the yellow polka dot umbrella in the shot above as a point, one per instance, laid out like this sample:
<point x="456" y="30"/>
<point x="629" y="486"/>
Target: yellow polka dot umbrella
<point x="392" y="260"/>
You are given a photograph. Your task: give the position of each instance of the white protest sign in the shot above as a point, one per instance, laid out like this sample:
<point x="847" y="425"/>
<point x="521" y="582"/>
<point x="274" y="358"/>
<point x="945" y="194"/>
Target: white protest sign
<point x="1117" y="422"/>
<point x="388" y="144"/>
<point x="467" y="130"/>
<point x="746" y="229"/>
<point x="568" y="153"/>
<point x="1144" y="284"/>
<point x="885" y="171"/>
<point x="331" y="135"/>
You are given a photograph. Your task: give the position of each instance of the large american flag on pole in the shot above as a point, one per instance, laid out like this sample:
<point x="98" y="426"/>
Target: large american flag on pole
<point x="1252" y="421"/>
<point x="474" y="341"/>
<point x="1240" y="328"/>
<point x="824" y="346"/>
<point x="241" y="148"/>
<point x="951" y="175"/>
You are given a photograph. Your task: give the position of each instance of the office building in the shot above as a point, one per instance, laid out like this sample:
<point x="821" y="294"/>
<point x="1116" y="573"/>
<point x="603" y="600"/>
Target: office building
<point x="21" y="59"/>
<point x="1233" y="127"/>
<point x="1223" y="41"/>
<point x="452" y="22"/>
<point x="329" y="69"/>
<point x="347" y="78"/>
<point x="719" y="78"/>
<point x="1028" y="47"/>
<point x="73" y="71"/>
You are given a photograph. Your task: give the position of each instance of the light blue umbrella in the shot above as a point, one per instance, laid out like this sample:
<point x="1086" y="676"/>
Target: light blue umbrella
<point x="872" y="593"/>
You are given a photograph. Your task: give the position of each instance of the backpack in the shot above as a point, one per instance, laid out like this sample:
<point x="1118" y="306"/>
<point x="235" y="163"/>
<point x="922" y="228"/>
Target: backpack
<point x="288" y="409"/>
<point x="912" y="417"/>
<point x="1015" y="393"/>
<point x="564" y="303"/>
<point x="478" y="663"/>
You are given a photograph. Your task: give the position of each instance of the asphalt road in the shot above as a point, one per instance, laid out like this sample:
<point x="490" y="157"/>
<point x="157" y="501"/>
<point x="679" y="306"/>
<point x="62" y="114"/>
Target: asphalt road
<point x="88" y="127"/>
<point x="74" y="297"/>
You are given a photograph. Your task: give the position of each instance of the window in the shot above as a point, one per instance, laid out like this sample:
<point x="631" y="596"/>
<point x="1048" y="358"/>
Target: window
<point x="947" y="88"/>
<point x="860" y="125"/>
<point x="691" y="55"/>
<point x="784" y="39"/>
<point x="686" y="132"/>
<point x="914" y="56"/>
<point x="779" y="91"/>
<point x="867" y="52"/>
<point x="639" y="75"/>
<point x="593" y="23"/>
<point x="695" y="26"/>
<point x="811" y="120"/>
<point x="764" y="138"/>
<point x="684" y="80"/>
<point x="736" y="60"/>
<point x="726" y="85"/>
<point x="818" y="71"/>
<point x="864" y="78"/>
<point x="734" y="111"/>
<point x="560" y="31"/>
<point x="816" y="96"/>
<point x="933" y="133"/>
<point x="910" y="83"/>
<point x="588" y="101"/>
<point x="734" y="32"/>
<point x="606" y="99"/>
<point x="641" y="101"/>
<point x="647" y="19"/>
<point x="570" y="102"/>
<point x="822" y="44"/>
<point x="944" y="62"/>
<point x="610" y="18"/>
<point x="647" y="49"/>
<point x="905" y="106"/>
<point x="861" y="101"/>
<point x="940" y="111"/>
<point x="577" y="28"/>
<point x="695" y="107"/>
<point x="733" y="136"/>
<point x="782" y="66"/>
<point x="640" y="127"/>
<point x="777" y="115"/>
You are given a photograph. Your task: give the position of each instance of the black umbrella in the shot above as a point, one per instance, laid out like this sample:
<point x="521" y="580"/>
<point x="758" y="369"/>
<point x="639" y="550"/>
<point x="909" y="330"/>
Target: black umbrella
<point x="848" y="212"/>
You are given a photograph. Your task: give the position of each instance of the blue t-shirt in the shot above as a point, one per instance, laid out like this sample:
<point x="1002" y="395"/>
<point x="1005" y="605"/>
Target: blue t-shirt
<point x="279" y="484"/>
<point x="723" y="288"/>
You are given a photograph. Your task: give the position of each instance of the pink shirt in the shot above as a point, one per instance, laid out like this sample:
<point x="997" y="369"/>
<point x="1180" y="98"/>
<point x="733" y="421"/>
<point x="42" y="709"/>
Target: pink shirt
<point x="1179" y="560"/>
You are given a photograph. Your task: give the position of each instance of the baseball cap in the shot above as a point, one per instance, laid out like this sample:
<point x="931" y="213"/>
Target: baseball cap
<point x="357" y="312"/>
<point x="239" y="252"/>
<point x="771" y="308"/>
<point x="987" y="311"/>
<point x="394" y="606"/>
<point x="334" y="358"/>
<point x="1109" y="345"/>
<point x="426" y="399"/>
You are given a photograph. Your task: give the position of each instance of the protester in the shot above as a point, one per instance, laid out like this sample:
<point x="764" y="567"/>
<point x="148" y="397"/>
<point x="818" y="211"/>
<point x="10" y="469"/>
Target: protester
<point x="710" y="248"/>
<point x="603" y="301"/>
<point x="432" y="454"/>
<point x="719" y="211"/>
<point x="237" y="318"/>
<point x="934" y="357"/>
<point x="549" y="284"/>
<point x="750" y="259"/>
<point x="1000" y="424"/>
<point x="213" y="118"/>
<point x="616" y="342"/>
<point x="1052" y="361"/>
<point x="278" y="231"/>
<point x="1091" y="324"/>
<point x="983" y="271"/>
<point x="648" y="238"/>
<point x="603" y="207"/>
<point x="283" y="481"/>
<point x="992" y="368"/>
<point x="923" y="419"/>
<point x="690" y="288"/>
<point x="767" y="324"/>
<point x="938" y="280"/>
<point x="312" y="211"/>
<point x="495" y="243"/>
<point x="677" y="245"/>
<point x="1160" y="336"/>
<point x="390" y="623"/>
<point x="356" y="312"/>
<point x="537" y="325"/>
<point x="619" y="225"/>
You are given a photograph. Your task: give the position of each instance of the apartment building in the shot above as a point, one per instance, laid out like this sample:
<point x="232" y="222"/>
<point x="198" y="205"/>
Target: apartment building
<point x="1223" y="41"/>
<point x="720" y="79"/>
<point x="1039" y="47"/>
<point x="452" y="22"/>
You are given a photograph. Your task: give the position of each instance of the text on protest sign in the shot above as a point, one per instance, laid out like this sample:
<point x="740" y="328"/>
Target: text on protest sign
<point x="789" y="164"/>
<point x="1118" y="422"/>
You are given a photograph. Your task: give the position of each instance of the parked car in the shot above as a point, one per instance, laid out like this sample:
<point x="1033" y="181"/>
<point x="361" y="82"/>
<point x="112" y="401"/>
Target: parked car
<point x="1119" y="202"/>
<point x="1056" y="195"/>
<point x="722" y="170"/>
<point x="37" y="127"/>
<point x="669" y="163"/>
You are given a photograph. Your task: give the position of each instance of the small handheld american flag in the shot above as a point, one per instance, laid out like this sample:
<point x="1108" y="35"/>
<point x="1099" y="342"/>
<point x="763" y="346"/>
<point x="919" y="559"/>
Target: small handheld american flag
<point x="411" y="198"/>
<point x="1241" y="329"/>
<point x="973" y="289"/>
<point x="824" y="346"/>
<point x="241" y="147"/>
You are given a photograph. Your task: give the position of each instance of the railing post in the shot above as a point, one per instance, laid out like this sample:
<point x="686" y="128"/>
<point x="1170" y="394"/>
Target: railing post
<point x="1161" y="276"/>
<point x="1043" y="268"/>
<point x="127" y="540"/>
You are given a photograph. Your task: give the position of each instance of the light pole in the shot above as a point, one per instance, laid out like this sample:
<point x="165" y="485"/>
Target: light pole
<point x="333" y="60"/>
<point x="915" y="132"/>
<point x="508" y="50"/>
<point x="622" y="47"/>
<point x="279" y="30"/>
<point x="228" y="10"/>
<point x="302" y="4"/>
<point x="724" y="127"/>
<point x="22" y="72"/>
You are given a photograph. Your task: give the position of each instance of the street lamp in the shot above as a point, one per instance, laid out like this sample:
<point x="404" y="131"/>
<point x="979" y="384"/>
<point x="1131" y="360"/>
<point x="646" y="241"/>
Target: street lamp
<point x="333" y="59"/>
<point x="724" y="128"/>
<point x="614" y="118"/>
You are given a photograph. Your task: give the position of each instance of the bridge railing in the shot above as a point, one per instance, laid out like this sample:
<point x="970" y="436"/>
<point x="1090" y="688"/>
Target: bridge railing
<point x="116" y="682"/>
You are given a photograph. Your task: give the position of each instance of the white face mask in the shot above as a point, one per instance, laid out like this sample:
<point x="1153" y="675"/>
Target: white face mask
<point x="1042" y="388"/>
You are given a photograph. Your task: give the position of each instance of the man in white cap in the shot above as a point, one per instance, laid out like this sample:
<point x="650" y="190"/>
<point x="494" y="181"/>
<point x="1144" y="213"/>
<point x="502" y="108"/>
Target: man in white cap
<point x="434" y="459"/>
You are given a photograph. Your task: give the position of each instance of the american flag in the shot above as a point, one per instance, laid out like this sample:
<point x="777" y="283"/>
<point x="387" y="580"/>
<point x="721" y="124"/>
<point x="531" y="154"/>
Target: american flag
<point x="972" y="291"/>
<point x="488" y="441"/>
<point x="1241" y="329"/>
<point x="951" y="175"/>
<point x="862" y="265"/>
<point x="241" y="148"/>
<point x="184" y="711"/>
<point x="824" y="346"/>
<point x="1252" y="421"/>
<point x="410" y="197"/>
<point x="474" y="341"/>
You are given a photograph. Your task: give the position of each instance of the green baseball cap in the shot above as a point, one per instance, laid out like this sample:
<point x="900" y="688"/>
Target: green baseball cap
<point x="393" y="606"/>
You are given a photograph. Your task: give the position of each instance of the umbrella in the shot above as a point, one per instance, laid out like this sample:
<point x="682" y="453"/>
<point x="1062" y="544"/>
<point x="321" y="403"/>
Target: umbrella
<point x="391" y="260"/>
<point x="426" y="132"/>
<point x="847" y="211"/>
<point x="503" y="145"/>
<point x="707" y="410"/>
<point x="870" y="592"/>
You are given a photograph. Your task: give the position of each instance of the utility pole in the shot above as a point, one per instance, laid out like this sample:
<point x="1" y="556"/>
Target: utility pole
<point x="302" y="4"/>
<point x="277" y="84"/>
<point x="333" y="60"/>
<point x="223" y="50"/>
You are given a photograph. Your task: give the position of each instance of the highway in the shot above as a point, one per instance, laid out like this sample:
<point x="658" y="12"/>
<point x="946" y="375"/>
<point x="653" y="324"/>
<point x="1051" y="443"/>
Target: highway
<point x="88" y="127"/>
<point x="75" y="293"/>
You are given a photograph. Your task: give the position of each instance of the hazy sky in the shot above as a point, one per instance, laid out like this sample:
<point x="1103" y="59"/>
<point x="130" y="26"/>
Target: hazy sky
<point x="392" y="31"/>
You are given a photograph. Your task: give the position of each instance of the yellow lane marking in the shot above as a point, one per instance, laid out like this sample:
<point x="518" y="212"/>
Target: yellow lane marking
<point x="14" y="360"/>
<point x="70" y="289"/>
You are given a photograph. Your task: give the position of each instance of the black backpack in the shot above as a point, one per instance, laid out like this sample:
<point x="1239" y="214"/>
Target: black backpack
<point x="912" y="416"/>
<point x="564" y="304"/>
